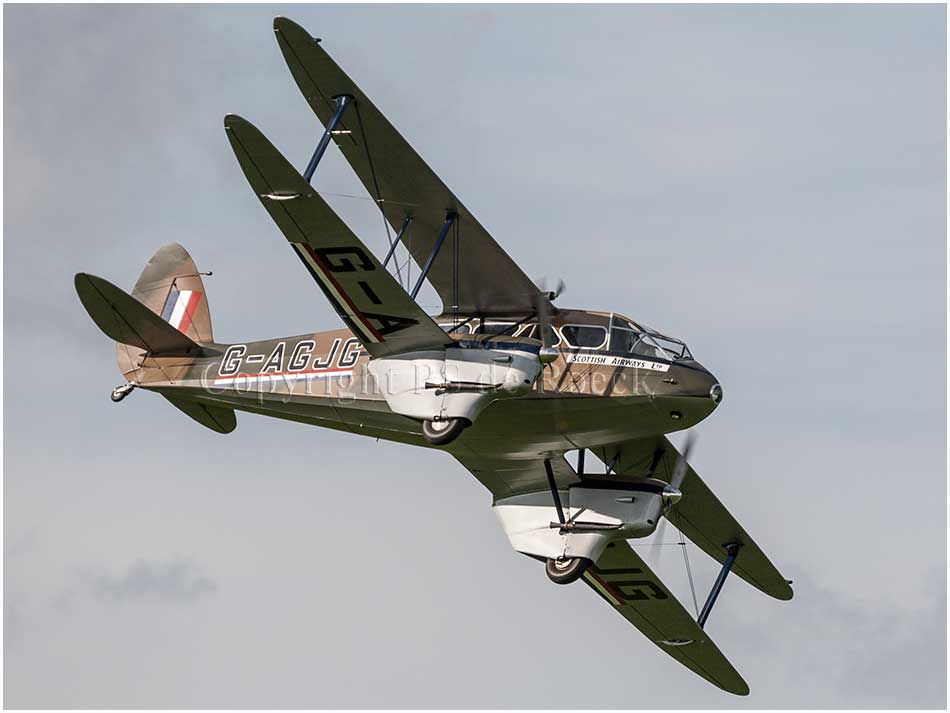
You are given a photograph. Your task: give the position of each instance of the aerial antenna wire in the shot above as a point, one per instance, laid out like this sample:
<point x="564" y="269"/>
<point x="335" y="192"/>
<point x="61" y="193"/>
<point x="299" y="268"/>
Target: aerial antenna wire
<point x="379" y="197"/>
<point x="455" y="272"/>
<point x="689" y="572"/>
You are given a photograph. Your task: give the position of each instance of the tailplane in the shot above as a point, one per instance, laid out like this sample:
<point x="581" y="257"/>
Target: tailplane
<point x="129" y="322"/>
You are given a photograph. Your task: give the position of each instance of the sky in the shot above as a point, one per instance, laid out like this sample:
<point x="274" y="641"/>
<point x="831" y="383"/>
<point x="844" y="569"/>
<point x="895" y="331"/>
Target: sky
<point x="766" y="182"/>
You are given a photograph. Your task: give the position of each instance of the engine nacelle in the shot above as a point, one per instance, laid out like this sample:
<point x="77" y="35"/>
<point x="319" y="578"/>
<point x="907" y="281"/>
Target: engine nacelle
<point x="458" y="382"/>
<point x="596" y="515"/>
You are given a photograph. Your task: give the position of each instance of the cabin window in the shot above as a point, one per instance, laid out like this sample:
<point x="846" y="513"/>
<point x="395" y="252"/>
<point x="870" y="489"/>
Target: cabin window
<point x="460" y="329"/>
<point x="584" y="336"/>
<point x="494" y="328"/>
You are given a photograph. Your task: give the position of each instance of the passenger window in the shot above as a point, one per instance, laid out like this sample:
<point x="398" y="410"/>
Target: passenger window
<point x="461" y="329"/>
<point x="584" y="336"/>
<point x="493" y="327"/>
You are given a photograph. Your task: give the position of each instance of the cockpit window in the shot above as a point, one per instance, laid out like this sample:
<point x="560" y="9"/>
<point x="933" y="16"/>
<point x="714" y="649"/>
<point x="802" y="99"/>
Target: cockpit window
<point x="671" y="346"/>
<point x="584" y="336"/>
<point x="647" y="344"/>
<point x="623" y="340"/>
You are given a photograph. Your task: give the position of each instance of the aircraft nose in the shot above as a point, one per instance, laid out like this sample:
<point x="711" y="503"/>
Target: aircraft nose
<point x="715" y="393"/>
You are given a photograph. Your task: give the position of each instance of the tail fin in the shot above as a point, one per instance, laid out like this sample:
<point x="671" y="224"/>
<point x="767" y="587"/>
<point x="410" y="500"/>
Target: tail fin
<point x="167" y="312"/>
<point x="171" y="286"/>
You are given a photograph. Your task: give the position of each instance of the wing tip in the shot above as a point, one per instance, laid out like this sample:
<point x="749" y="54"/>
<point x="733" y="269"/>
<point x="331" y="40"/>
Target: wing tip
<point x="234" y="120"/>
<point x="282" y="24"/>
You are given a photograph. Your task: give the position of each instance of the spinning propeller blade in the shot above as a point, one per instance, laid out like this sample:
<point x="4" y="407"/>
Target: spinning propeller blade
<point x="543" y="309"/>
<point x="656" y="547"/>
<point x="682" y="463"/>
<point x="671" y="494"/>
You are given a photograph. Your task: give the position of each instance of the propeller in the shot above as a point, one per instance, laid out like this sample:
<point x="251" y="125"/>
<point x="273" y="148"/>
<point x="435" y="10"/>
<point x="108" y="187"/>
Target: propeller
<point x="542" y="306"/>
<point x="682" y="464"/>
<point x="557" y="290"/>
<point x="671" y="496"/>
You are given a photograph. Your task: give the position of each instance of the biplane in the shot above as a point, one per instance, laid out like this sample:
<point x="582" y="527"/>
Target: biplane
<point x="501" y="379"/>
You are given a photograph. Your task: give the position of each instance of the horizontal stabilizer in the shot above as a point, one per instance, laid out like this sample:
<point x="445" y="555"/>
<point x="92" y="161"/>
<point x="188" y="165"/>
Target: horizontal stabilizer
<point x="126" y="320"/>
<point x="217" y="418"/>
<point x="623" y="579"/>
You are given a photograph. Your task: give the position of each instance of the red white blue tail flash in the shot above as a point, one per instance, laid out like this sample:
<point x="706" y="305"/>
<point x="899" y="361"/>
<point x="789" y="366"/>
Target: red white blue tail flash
<point x="180" y="308"/>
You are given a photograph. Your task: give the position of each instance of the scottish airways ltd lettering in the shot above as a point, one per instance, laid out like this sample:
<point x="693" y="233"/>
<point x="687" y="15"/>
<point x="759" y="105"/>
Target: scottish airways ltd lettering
<point x="624" y="362"/>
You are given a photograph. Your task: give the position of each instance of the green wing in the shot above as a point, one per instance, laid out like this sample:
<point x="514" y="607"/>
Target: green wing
<point x="373" y="305"/>
<point x="489" y="281"/>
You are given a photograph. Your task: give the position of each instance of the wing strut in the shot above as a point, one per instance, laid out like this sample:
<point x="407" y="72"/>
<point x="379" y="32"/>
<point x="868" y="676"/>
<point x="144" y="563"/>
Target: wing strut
<point x="733" y="551"/>
<point x="342" y="102"/>
<point x="554" y="493"/>
<point x="449" y="220"/>
<point x="392" y="248"/>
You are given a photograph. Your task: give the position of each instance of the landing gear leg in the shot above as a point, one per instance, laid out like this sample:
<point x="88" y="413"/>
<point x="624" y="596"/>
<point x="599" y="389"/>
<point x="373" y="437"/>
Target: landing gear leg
<point x="567" y="569"/>
<point x="120" y="392"/>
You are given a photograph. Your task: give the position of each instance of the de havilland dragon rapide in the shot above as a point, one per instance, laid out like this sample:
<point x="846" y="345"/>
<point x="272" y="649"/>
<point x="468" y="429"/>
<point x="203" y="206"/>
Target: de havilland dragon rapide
<point x="502" y="380"/>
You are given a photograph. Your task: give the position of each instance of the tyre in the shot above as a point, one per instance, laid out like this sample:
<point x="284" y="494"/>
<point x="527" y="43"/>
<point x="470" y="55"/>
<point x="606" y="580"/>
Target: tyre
<point x="567" y="570"/>
<point x="439" y="433"/>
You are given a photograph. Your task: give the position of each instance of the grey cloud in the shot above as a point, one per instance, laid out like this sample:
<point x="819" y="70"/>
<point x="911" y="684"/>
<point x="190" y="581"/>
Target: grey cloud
<point x="176" y="580"/>
<point x="864" y="652"/>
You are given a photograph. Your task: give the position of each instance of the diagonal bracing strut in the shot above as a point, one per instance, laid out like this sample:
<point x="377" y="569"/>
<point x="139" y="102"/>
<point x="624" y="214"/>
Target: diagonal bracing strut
<point x="732" y="551"/>
<point x="342" y="102"/>
<point x="449" y="220"/>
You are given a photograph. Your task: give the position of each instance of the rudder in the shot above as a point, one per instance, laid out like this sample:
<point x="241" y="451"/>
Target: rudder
<point x="171" y="286"/>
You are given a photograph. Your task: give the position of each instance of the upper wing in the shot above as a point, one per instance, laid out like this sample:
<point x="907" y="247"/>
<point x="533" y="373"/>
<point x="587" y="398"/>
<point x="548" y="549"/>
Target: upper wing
<point x="699" y="514"/>
<point x="488" y="281"/>
<point x="623" y="579"/>
<point x="374" y="306"/>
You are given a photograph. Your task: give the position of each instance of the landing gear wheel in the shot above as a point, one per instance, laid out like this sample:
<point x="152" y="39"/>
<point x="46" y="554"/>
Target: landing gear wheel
<point x="439" y="433"/>
<point x="565" y="571"/>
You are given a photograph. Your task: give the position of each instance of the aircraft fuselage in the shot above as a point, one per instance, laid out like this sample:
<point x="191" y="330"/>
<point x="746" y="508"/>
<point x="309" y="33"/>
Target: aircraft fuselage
<point x="587" y="396"/>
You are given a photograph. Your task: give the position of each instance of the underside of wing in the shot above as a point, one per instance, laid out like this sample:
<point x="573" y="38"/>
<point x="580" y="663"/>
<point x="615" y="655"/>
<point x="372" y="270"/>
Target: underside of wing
<point x="471" y="273"/>
<point x="373" y="305"/>
<point x="506" y="477"/>
<point x="625" y="582"/>
<point x="700" y="515"/>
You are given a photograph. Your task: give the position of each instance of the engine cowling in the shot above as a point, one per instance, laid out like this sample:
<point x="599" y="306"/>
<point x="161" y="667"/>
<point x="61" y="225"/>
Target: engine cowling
<point x="595" y="514"/>
<point x="457" y="382"/>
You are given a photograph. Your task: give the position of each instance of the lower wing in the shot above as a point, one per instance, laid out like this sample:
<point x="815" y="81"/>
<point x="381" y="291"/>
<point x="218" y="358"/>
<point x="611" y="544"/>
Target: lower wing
<point x="625" y="582"/>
